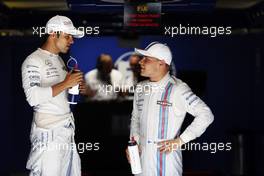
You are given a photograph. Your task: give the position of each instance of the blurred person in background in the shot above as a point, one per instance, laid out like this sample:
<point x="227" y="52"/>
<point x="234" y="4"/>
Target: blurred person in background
<point x="131" y="79"/>
<point x="135" y="68"/>
<point x="104" y="82"/>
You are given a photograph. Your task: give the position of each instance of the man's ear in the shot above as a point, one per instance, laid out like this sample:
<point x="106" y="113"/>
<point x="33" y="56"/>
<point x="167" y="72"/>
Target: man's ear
<point x="55" y="34"/>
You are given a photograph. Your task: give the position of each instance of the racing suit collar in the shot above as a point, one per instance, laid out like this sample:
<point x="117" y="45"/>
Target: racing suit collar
<point x="48" y="53"/>
<point x="162" y="81"/>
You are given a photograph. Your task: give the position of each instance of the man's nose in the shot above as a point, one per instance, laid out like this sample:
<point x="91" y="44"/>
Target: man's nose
<point x="71" y="40"/>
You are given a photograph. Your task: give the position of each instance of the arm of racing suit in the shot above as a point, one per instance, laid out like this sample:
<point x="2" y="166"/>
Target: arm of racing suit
<point x="196" y="107"/>
<point x="31" y="80"/>
<point x="135" y="121"/>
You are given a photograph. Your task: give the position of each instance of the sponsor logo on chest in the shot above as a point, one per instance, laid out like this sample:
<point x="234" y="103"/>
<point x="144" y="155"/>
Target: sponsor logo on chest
<point x="48" y="62"/>
<point x="164" y="103"/>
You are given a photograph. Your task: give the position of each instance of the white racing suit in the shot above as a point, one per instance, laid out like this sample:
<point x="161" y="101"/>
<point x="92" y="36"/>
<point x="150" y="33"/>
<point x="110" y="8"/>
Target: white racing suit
<point x="158" y="113"/>
<point x="53" y="150"/>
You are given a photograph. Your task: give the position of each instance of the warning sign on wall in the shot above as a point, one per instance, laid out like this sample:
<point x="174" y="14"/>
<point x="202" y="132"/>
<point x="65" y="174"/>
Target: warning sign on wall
<point x="142" y="15"/>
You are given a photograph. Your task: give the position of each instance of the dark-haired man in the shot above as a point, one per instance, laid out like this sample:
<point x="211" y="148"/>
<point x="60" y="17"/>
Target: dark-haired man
<point x="45" y="82"/>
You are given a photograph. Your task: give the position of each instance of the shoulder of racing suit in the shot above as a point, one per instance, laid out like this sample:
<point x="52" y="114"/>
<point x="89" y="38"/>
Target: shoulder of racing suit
<point x="34" y="58"/>
<point x="179" y="87"/>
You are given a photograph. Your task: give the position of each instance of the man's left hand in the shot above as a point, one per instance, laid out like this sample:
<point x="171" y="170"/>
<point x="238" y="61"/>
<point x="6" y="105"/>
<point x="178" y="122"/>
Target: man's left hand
<point x="170" y="145"/>
<point x="82" y="88"/>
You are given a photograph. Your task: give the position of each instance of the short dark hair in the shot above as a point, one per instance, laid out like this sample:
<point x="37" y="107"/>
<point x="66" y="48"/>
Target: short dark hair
<point x="136" y="55"/>
<point x="98" y="62"/>
<point x="45" y="37"/>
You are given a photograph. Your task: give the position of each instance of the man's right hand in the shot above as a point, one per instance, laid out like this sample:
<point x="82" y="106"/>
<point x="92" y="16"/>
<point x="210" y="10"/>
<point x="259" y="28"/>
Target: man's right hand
<point x="72" y="79"/>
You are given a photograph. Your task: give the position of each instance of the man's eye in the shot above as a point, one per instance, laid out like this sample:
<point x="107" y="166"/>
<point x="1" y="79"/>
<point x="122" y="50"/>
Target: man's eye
<point x="148" y="59"/>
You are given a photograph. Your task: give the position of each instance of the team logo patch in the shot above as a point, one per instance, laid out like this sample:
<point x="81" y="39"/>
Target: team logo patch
<point x="34" y="84"/>
<point x="48" y="62"/>
<point x="140" y="94"/>
<point x="164" y="103"/>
